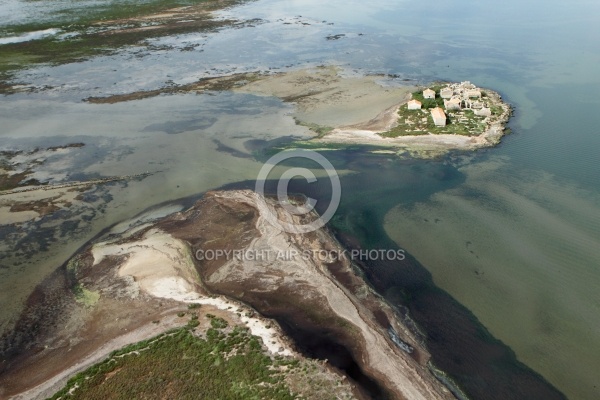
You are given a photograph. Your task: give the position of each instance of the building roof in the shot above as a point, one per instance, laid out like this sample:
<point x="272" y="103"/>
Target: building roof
<point x="413" y="101"/>
<point x="428" y="91"/>
<point x="438" y="113"/>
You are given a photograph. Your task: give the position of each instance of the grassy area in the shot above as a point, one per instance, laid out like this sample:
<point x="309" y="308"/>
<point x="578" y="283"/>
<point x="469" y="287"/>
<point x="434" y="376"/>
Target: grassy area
<point x="228" y="363"/>
<point x="429" y="103"/>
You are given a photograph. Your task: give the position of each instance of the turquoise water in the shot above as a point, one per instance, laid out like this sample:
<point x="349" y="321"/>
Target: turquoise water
<point x="512" y="232"/>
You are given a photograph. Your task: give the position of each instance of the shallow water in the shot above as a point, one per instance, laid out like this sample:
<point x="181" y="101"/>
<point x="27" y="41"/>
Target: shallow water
<point x="176" y="139"/>
<point x="521" y="250"/>
<point x="513" y="237"/>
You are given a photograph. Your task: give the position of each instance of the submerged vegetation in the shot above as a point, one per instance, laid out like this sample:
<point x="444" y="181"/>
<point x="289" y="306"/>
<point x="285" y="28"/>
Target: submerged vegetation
<point x="320" y="130"/>
<point x="103" y="28"/>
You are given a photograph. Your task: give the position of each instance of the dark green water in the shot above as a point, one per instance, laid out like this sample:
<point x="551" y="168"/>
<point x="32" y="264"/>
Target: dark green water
<point x="480" y="364"/>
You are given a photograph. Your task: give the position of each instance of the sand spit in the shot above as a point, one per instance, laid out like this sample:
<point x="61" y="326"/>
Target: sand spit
<point x="133" y="283"/>
<point x="324" y="96"/>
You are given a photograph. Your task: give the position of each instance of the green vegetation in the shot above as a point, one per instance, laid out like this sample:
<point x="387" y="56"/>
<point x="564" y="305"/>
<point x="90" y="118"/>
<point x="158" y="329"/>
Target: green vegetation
<point x="74" y="18"/>
<point x="193" y="322"/>
<point x="496" y="110"/>
<point x="84" y="296"/>
<point x="73" y="265"/>
<point x="179" y="365"/>
<point x="419" y="122"/>
<point x="216" y="322"/>
<point x="430" y="103"/>
<point x="228" y="363"/>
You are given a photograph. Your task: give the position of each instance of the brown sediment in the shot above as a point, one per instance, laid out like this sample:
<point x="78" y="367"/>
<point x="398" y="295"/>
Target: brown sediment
<point x="11" y="180"/>
<point x="208" y="84"/>
<point x="324" y="96"/>
<point x="41" y="207"/>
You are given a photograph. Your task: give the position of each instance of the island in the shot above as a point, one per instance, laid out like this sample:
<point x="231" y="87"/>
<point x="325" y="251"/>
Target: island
<point x="344" y="107"/>
<point x="423" y="122"/>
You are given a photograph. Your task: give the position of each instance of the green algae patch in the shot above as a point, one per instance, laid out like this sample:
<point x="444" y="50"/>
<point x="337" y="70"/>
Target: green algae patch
<point x="86" y="297"/>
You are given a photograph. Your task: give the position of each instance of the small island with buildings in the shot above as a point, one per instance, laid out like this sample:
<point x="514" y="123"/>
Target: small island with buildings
<point x="454" y="108"/>
<point x="422" y="122"/>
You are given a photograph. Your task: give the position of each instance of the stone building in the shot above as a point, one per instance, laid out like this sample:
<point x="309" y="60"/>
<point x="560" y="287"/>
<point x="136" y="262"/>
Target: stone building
<point x="452" y="104"/>
<point x="473" y="93"/>
<point x="484" y="112"/>
<point x="446" y="93"/>
<point x="414" y="105"/>
<point x="439" y="116"/>
<point x="428" y="94"/>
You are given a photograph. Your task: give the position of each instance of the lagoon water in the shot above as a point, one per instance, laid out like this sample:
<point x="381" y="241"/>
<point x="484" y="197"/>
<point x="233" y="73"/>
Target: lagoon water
<point x="514" y="235"/>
